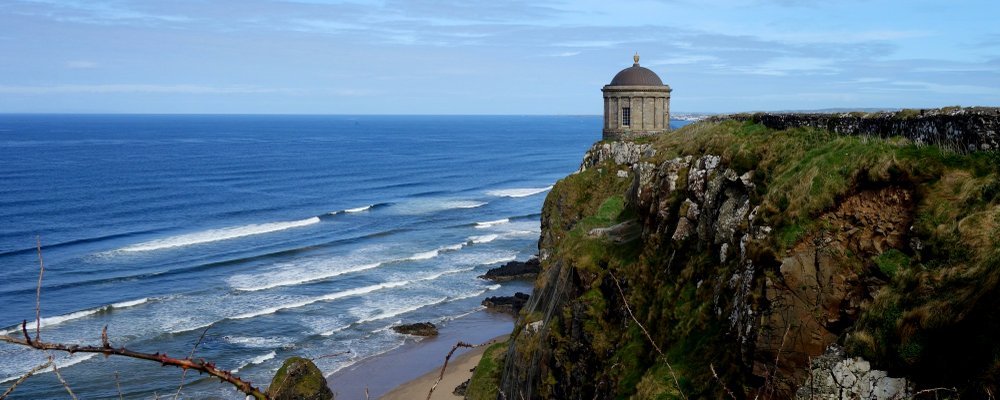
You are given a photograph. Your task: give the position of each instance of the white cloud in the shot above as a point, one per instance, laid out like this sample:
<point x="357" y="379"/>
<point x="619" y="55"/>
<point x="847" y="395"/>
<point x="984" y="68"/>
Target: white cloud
<point x="791" y="65"/>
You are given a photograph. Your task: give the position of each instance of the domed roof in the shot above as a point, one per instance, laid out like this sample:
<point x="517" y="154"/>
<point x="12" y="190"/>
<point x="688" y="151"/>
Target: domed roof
<point x="636" y="76"/>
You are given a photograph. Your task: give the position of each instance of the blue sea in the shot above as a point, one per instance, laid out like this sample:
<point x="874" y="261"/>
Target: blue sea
<point x="273" y="236"/>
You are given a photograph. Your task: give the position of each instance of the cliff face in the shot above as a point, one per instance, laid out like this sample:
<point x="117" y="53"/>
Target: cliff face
<point x="732" y="259"/>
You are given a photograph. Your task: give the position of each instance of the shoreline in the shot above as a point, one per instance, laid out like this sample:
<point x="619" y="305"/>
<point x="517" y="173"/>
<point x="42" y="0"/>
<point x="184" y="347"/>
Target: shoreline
<point x="459" y="370"/>
<point x="404" y="367"/>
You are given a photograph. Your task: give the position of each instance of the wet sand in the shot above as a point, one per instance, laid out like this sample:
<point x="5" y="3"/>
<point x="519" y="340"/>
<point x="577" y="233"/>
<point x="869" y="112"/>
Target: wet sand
<point x="422" y="359"/>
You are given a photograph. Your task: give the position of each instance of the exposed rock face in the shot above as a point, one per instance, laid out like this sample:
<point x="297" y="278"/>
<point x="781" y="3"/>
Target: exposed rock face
<point x="621" y="152"/>
<point x="887" y="249"/>
<point x="417" y="329"/>
<point x="820" y="289"/>
<point x="834" y="376"/>
<point x="507" y="304"/>
<point x="299" y="379"/>
<point x="962" y="129"/>
<point x="514" y="270"/>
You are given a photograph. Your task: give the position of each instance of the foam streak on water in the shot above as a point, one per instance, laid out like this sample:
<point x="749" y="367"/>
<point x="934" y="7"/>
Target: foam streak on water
<point x="215" y="235"/>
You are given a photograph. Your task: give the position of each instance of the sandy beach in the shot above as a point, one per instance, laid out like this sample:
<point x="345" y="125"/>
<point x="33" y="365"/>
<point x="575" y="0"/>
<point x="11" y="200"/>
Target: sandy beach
<point x="459" y="370"/>
<point x="409" y="371"/>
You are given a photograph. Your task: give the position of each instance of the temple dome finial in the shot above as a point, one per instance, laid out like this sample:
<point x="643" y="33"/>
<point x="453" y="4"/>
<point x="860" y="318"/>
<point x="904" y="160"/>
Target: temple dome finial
<point x="636" y="58"/>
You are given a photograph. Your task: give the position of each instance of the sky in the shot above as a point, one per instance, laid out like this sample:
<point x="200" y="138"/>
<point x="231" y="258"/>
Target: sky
<point x="491" y="56"/>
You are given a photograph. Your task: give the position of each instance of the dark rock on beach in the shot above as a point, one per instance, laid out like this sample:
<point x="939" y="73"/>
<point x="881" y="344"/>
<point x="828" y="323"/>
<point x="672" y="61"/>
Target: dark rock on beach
<point x="507" y="304"/>
<point x="514" y="270"/>
<point x="460" y="389"/>
<point x="417" y="329"/>
<point x="299" y="379"/>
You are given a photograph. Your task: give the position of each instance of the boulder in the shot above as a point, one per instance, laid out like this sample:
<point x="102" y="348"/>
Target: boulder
<point x="299" y="379"/>
<point x="417" y="329"/>
<point x="514" y="270"/>
<point x="507" y="304"/>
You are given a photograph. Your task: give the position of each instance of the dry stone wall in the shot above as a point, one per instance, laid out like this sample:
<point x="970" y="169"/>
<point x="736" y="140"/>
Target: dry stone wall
<point x="961" y="129"/>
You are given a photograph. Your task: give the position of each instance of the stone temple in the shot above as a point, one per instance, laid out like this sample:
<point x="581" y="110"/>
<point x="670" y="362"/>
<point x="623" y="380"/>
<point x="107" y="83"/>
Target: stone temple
<point x="636" y="104"/>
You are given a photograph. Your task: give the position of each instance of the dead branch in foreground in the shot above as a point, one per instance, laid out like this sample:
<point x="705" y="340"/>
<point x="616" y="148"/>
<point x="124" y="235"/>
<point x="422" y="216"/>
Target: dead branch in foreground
<point x="107" y="350"/>
<point x="24" y="378"/>
<point x="446" y="358"/>
<point x="650" y="338"/>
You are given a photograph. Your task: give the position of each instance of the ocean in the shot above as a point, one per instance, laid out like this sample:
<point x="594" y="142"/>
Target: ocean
<point x="281" y="235"/>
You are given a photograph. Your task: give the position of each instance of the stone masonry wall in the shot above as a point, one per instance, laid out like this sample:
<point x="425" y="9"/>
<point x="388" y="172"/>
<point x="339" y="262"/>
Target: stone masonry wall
<point x="960" y="129"/>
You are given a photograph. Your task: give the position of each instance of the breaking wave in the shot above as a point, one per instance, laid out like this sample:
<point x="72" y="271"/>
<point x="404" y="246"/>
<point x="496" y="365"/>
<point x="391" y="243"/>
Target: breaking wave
<point x="215" y="235"/>
<point x="523" y="192"/>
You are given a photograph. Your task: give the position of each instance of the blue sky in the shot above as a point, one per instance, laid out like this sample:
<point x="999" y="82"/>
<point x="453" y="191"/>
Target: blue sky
<point x="491" y="56"/>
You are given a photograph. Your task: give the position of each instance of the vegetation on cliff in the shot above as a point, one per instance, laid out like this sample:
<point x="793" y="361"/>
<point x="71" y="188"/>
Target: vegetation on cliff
<point x="754" y="251"/>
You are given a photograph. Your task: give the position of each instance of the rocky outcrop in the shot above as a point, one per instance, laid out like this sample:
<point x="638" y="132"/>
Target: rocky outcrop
<point x="623" y="153"/>
<point x="299" y="379"/>
<point x="417" y="329"/>
<point x="835" y="376"/>
<point x="961" y="129"/>
<point x="514" y="270"/>
<point x="507" y="304"/>
<point x="821" y="286"/>
<point x="748" y="255"/>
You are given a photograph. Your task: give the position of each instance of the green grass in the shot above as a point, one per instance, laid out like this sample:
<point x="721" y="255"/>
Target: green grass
<point x="800" y="174"/>
<point x="892" y="261"/>
<point x="485" y="382"/>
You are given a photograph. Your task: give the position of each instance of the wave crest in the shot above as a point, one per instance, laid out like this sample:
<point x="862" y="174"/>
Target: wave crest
<point x="520" y="192"/>
<point x="215" y="235"/>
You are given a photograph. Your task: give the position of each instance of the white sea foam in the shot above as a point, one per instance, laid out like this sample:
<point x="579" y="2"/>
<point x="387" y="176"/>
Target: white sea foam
<point x="524" y="192"/>
<point x="424" y="206"/>
<point x="328" y="297"/>
<point x="488" y="224"/>
<point x="256" y="341"/>
<point x="426" y="255"/>
<point x="56" y="320"/>
<point x="449" y="272"/>
<point x="476" y="293"/>
<point x="499" y="260"/>
<point x="256" y="360"/>
<point x="401" y="310"/>
<point x="61" y="363"/>
<point x="483" y="238"/>
<point x="454" y="247"/>
<point x="215" y="235"/>
<point x="335" y="330"/>
<point x="353" y="210"/>
<point x="251" y="283"/>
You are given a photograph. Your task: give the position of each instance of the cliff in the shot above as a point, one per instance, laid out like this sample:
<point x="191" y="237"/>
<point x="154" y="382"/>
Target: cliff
<point x="747" y="258"/>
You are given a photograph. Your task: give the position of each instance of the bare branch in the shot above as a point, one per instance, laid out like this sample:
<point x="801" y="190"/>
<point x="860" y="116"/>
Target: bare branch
<point x="117" y="385"/>
<point x="24" y="378"/>
<point x="38" y="292"/>
<point x="199" y="365"/>
<point x="104" y="337"/>
<point x="446" y="358"/>
<point x="716" y="376"/>
<point x="55" y="369"/>
<point x="650" y="338"/>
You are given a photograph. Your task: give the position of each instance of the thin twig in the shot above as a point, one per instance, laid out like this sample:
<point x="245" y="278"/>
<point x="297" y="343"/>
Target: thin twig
<point x="650" y="338"/>
<point x="23" y="378"/>
<point x="38" y="292"/>
<point x="716" y="376"/>
<point x="55" y="369"/>
<point x="446" y="358"/>
<point x="191" y="354"/>
<point x="199" y="365"/>
<point x="119" y="386"/>
<point x="934" y="390"/>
